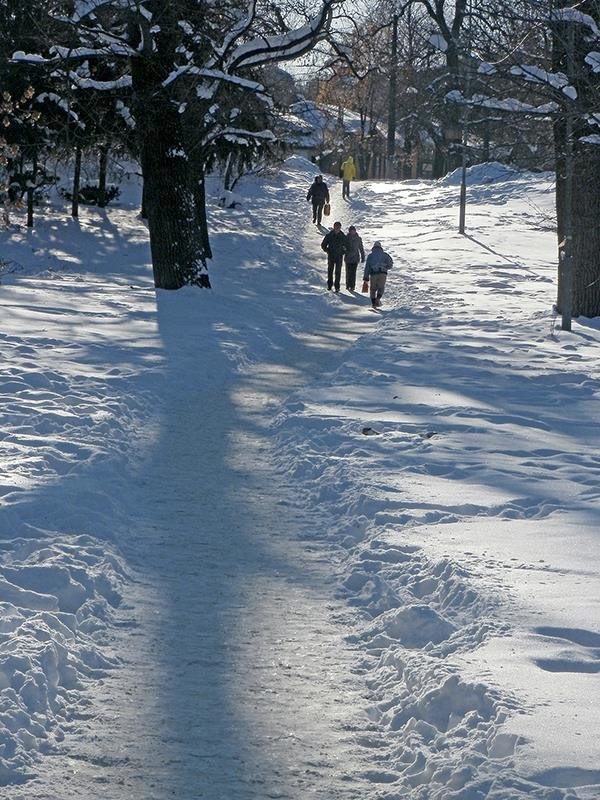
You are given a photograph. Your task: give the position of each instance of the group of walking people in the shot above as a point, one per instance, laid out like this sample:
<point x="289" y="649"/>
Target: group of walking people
<point x="318" y="192"/>
<point x="348" y="248"/>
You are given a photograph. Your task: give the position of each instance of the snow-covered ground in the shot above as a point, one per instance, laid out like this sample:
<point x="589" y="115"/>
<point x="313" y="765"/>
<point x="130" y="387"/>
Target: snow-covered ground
<point x="263" y="542"/>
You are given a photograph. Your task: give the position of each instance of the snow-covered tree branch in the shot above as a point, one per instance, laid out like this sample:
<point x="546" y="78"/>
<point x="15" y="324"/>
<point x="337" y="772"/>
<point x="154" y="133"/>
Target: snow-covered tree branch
<point x="185" y="64"/>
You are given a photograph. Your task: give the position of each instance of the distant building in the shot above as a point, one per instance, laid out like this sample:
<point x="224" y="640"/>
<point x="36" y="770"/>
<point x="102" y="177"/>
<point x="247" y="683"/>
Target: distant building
<point x="327" y="135"/>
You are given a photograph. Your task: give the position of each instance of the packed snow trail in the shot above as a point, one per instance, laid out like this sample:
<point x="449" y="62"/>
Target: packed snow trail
<point x="470" y="515"/>
<point x="285" y="573"/>
<point x="235" y="680"/>
<point x="237" y="683"/>
<point x="257" y="698"/>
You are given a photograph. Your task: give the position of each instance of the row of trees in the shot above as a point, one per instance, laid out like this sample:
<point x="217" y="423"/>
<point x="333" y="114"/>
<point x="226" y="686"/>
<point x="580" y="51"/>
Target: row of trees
<point x="181" y="84"/>
<point x="177" y="82"/>
<point x="482" y="77"/>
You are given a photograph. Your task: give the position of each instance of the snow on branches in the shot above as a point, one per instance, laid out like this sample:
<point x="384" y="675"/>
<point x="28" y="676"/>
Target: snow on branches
<point x="575" y="16"/>
<point x="507" y="104"/>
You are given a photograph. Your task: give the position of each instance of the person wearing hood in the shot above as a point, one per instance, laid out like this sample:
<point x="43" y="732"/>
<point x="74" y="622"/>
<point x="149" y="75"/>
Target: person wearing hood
<point x="355" y="252"/>
<point x="319" y="194"/>
<point x="376" y="268"/>
<point x="348" y="171"/>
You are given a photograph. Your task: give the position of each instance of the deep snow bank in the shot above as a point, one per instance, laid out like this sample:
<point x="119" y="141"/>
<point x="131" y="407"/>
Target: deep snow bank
<point x="488" y="172"/>
<point x="70" y="418"/>
<point x="470" y="607"/>
<point x="82" y="391"/>
<point x="57" y="599"/>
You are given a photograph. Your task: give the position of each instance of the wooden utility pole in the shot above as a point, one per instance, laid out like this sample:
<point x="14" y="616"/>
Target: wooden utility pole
<point x="465" y="131"/>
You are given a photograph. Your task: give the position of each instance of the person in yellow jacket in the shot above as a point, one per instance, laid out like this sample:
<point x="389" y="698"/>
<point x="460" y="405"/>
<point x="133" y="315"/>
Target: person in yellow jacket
<point x="348" y="170"/>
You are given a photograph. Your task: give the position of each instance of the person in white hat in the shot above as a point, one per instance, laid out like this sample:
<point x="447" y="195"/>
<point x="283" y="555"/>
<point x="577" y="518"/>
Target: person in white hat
<point x="375" y="275"/>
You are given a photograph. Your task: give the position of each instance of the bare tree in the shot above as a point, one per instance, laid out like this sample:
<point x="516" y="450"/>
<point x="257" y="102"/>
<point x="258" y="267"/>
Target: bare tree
<point x="542" y="60"/>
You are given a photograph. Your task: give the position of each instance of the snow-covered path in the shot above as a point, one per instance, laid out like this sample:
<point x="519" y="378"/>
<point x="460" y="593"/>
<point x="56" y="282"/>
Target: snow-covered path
<point x="235" y="680"/>
<point x="302" y="610"/>
<point x="250" y="682"/>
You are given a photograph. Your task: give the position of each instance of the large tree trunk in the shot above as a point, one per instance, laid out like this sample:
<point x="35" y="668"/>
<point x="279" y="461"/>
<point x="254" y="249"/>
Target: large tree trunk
<point x="192" y="127"/>
<point x="585" y="211"/>
<point x="171" y="200"/>
<point x="170" y="197"/>
<point x="176" y="241"/>
<point x="586" y="231"/>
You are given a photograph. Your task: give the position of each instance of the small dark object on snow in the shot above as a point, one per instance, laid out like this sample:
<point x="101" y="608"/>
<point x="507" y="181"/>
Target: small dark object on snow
<point x="428" y="434"/>
<point x="229" y="199"/>
<point x="369" y="432"/>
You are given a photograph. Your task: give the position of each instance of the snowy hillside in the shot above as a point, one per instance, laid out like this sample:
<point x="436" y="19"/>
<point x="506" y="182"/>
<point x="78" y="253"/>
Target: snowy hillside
<point x="264" y="542"/>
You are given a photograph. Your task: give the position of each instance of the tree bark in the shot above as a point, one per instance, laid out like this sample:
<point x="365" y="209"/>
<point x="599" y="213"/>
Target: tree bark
<point x="171" y="200"/>
<point x="76" y="183"/>
<point x="586" y="231"/>
<point x="178" y="257"/>
<point x="585" y="211"/>
<point x="143" y="212"/>
<point x="196" y="159"/>
<point x="102" y="169"/>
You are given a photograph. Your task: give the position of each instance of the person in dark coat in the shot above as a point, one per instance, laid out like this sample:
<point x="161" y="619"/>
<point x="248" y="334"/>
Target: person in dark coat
<point x="319" y="194"/>
<point x="354" y="253"/>
<point x="334" y="244"/>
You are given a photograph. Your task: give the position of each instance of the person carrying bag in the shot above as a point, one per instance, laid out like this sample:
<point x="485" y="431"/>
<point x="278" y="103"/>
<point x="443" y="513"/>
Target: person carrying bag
<point x="375" y="275"/>
<point x="319" y="194"/>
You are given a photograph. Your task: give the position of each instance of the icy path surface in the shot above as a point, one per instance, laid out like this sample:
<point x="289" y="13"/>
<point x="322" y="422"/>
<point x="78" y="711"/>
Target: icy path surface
<point x="237" y="682"/>
<point x="249" y="552"/>
<point x="234" y="678"/>
<point x="254" y="687"/>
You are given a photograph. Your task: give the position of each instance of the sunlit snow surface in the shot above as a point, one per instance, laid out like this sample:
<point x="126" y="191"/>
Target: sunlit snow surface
<point x="215" y="585"/>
